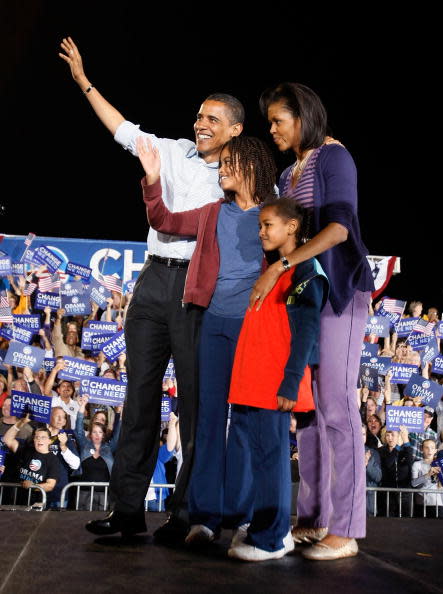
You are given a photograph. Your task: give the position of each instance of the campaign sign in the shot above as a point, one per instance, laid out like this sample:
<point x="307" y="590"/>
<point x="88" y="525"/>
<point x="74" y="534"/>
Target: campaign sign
<point x="401" y="372"/>
<point x="115" y="346"/>
<point x="29" y="256"/>
<point x="102" y="390"/>
<point x="77" y="369"/>
<point x="49" y="364"/>
<point x="71" y="289"/>
<point x="17" y="269"/>
<point x="429" y="391"/>
<point x="393" y="317"/>
<point x="110" y="327"/>
<point x="87" y="335"/>
<point x="430" y="351"/>
<point x="2" y="457"/>
<point x="170" y="370"/>
<point x="99" y="339"/>
<point x="97" y="292"/>
<point x="418" y="340"/>
<point x="439" y="463"/>
<point x="129" y="287"/>
<point x="377" y="325"/>
<point x="5" y="266"/>
<point x="369" y="350"/>
<point x="51" y="300"/>
<point x="23" y="335"/>
<point x="38" y="406"/>
<point x="32" y="322"/>
<point x="439" y="329"/>
<point x="23" y="355"/>
<point x="381" y="364"/>
<point x="76" y="305"/>
<point x="165" y="408"/>
<point x="412" y="417"/>
<point x="369" y="378"/>
<point x="437" y="365"/>
<point x="123" y="377"/>
<point x="75" y="269"/>
<point x="43" y="255"/>
<point x="404" y="326"/>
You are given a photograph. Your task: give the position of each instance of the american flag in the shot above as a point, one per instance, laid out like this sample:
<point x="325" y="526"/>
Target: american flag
<point x="6" y="315"/>
<point x="29" y="239"/>
<point x="424" y="327"/>
<point x="4" y="300"/>
<point x="48" y="283"/>
<point x="29" y="289"/>
<point x="110" y="282"/>
<point x="394" y="305"/>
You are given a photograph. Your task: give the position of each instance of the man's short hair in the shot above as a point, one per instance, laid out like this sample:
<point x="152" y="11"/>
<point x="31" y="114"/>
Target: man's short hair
<point x="429" y="439"/>
<point x="235" y="108"/>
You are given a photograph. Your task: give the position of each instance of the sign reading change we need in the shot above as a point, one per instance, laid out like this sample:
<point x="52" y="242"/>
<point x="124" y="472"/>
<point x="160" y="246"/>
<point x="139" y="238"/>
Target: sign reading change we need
<point x="102" y="390"/>
<point x="412" y="417"/>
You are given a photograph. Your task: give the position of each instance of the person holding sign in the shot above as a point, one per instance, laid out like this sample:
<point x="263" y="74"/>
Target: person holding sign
<point x="425" y="476"/>
<point x="37" y="465"/>
<point x="157" y="324"/>
<point x="417" y="439"/>
<point x="396" y="463"/>
<point x="331" y="457"/>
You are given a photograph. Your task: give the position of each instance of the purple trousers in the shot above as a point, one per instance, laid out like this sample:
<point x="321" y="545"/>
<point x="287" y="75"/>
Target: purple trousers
<point x="331" y="452"/>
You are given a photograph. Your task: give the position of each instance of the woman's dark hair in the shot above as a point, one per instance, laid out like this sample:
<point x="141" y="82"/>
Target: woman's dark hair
<point x="255" y="161"/>
<point x="41" y="427"/>
<point x="288" y="208"/>
<point x="303" y="103"/>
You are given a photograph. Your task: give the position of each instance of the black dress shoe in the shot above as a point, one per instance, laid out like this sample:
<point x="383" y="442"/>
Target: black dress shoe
<point x="173" y="531"/>
<point x="115" y="521"/>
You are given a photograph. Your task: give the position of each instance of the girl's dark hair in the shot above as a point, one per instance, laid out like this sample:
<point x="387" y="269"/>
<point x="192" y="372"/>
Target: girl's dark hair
<point x="303" y="103"/>
<point x="256" y="163"/>
<point x="288" y="208"/>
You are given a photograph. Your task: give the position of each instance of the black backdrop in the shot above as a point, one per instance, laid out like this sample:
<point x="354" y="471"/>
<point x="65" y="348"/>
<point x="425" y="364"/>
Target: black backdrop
<point x="63" y="175"/>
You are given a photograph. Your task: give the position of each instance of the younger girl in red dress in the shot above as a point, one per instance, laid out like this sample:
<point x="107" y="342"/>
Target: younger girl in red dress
<point x="277" y="347"/>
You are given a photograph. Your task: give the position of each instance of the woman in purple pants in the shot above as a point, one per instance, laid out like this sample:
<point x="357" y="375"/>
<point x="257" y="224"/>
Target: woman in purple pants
<point x="331" y="502"/>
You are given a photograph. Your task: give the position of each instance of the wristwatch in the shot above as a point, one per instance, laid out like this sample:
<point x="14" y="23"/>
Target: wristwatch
<point x="285" y="263"/>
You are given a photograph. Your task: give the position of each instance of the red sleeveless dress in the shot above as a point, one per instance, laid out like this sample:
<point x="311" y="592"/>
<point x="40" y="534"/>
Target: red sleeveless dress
<point x="262" y="353"/>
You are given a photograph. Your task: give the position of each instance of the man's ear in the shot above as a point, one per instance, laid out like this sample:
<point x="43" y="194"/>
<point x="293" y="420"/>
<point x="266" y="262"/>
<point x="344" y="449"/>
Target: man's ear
<point x="236" y="129"/>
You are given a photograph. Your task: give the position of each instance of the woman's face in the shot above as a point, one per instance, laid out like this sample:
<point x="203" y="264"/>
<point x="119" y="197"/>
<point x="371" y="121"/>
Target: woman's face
<point x="41" y="442"/>
<point x="371" y="407"/>
<point x="285" y="128"/>
<point x="374" y="425"/>
<point x="100" y="417"/>
<point x="97" y="435"/>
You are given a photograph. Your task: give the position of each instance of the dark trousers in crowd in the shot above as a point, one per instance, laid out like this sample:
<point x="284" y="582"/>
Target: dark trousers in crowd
<point x="157" y="324"/>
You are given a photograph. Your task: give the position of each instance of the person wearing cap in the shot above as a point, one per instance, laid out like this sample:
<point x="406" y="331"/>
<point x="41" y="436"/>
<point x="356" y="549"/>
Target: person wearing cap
<point x="416" y="439"/>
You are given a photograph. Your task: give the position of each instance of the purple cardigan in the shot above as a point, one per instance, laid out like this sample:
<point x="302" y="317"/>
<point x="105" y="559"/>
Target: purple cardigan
<point x="335" y="201"/>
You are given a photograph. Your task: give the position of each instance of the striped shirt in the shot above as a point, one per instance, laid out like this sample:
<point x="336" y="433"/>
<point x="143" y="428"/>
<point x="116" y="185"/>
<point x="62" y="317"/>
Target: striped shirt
<point x="303" y="192"/>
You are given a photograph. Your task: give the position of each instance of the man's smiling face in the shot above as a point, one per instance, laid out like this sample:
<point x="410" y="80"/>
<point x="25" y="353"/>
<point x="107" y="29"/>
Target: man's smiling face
<point x="213" y="128"/>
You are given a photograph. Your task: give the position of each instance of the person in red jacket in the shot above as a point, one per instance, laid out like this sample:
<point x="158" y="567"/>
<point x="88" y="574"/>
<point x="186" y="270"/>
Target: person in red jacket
<point x="271" y="376"/>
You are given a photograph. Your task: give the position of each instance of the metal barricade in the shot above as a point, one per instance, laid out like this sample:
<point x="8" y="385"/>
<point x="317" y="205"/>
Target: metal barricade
<point x="40" y="506"/>
<point x="390" y="497"/>
<point x="93" y="485"/>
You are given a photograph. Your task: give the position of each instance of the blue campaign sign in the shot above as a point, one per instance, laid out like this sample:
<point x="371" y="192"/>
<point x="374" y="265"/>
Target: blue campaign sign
<point x="77" y="305"/>
<point x="87" y="335"/>
<point x="412" y="417"/>
<point x="393" y="317"/>
<point x="123" y="377"/>
<point x="429" y="391"/>
<point x="381" y="364"/>
<point x="102" y="390"/>
<point x="170" y="370"/>
<point x="430" y="351"/>
<point x="18" y="268"/>
<point x="23" y="335"/>
<point x="369" y="349"/>
<point x="404" y="327"/>
<point x="439" y="329"/>
<point x="32" y="322"/>
<point x="369" y="378"/>
<point x="23" y="355"/>
<point x="49" y="364"/>
<point x="165" y="408"/>
<point x="418" y="340"/>
<point x="129" y="287"/>
<point x="38" y="406"/>
<point x="110" y="327"/>
<point x="439" y="464"/>
<point x="377" y="325"/>
<point x="5" y="266"/>
<point x="99" y="339"/>
<point x="72" y="288"/>
<point x="124" y="258"/>
<point x="437" y="365"/>
<point x="74" y="269"/>
<point x="51" y="300"/>
<point x="401" y="372"/>
<point x="77" y="369"/>
<point x="43" y="255"/>
<point x="115" y="346"/>
<point x="97" y="292"/>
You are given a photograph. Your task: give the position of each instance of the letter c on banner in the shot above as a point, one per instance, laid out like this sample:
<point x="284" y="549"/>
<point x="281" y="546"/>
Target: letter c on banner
<point x="97" y="258"/>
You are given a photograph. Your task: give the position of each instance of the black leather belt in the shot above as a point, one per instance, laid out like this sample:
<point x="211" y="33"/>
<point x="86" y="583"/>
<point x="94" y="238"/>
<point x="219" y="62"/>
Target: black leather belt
<point x="170" y="262"/>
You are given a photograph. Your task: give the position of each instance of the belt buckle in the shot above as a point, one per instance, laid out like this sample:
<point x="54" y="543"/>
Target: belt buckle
<point x="169" y="262"/>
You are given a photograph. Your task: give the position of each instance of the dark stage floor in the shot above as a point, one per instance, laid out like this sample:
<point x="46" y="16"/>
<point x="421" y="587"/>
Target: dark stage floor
<point x="51" y="551"/>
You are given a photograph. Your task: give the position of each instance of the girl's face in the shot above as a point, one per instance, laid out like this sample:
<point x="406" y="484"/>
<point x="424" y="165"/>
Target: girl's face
<point x="275" y="232"/>
<point x="230" y="177"/>
<point x="285" y="128"/>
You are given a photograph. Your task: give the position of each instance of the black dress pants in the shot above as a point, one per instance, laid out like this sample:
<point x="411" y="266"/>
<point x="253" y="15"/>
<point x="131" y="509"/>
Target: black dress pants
<point x="157" y="325"/>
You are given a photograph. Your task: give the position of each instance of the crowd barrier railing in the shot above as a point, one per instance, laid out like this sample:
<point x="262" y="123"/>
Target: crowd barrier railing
<point x="39" y="505"/>
<point x="394" y="496"/>
<point x="104" y="503"/>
